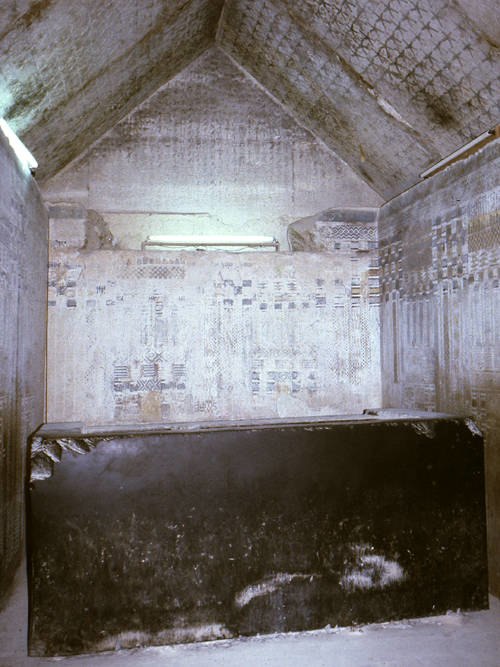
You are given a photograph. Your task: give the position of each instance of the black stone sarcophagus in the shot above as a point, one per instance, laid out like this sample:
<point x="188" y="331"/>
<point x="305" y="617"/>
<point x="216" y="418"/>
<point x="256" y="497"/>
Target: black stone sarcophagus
<point x="203" y="532"/>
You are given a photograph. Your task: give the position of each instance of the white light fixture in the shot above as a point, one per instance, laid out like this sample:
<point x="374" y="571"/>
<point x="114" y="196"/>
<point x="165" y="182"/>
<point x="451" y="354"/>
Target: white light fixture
<point x="203" y="242"/>
<point x="18" y="147"/>
<point x="463" y="152"/>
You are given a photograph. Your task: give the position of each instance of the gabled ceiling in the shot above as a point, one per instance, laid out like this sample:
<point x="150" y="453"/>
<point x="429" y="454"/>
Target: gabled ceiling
<point x="391" y="86"/>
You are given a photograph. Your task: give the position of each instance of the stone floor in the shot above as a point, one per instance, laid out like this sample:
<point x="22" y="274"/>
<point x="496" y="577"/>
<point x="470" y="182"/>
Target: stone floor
<point x="453" y="640"/>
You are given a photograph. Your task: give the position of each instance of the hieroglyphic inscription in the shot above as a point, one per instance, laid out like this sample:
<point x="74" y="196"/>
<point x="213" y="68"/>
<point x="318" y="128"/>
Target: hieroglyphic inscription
<point x="177" y="336"/>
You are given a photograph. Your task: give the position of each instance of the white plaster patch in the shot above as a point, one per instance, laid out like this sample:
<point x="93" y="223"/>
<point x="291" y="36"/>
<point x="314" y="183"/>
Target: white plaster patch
<point x="370" y="570"/>
<point x="268" y="585"/>
<point x="389" y="109"/>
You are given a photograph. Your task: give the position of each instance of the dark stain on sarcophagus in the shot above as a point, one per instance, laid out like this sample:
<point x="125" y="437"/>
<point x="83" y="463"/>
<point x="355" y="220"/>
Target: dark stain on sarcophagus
<point x="180" y="536"/>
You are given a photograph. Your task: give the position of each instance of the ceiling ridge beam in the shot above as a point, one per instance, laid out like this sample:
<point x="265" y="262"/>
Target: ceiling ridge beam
<point x="221" y="22"/>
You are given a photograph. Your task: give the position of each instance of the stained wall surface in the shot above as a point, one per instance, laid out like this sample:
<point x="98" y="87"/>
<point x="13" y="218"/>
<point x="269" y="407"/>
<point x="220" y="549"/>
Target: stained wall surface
<point x="23" y="301"/>
<point x="210" y="152"/>
<point x="440" y="259"/>
<point x="177" y="336"/>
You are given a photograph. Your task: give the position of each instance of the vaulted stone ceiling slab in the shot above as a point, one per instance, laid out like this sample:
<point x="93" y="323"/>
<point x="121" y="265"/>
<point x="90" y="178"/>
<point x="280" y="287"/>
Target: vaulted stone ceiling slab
<point x="390" y="85"/>
<point x="425" y="57"/>
<point x="486" y="17"/>
<point x="70" y="70"/>
<point x="12" y="10"/>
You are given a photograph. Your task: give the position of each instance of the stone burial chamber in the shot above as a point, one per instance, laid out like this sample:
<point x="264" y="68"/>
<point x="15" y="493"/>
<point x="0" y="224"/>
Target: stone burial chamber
<point x="194" y="532"/>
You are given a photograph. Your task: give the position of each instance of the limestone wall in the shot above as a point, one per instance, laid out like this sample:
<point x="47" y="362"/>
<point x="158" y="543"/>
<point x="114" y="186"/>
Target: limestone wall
<point x="164" y="336"/>
<point x="440" y="317"/>
<point x="155" y="336"/>
<point x="209" y="153"/>
<point x="23" y="292"/>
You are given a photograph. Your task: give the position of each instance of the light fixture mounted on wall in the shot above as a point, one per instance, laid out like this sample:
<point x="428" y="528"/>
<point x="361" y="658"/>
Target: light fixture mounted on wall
<point x="23" y="154"/>
<point x="205" y="242"/>
<point x="463" y="152"/>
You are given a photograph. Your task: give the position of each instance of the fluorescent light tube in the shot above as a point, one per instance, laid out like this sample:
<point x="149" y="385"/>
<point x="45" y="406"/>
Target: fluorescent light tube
<point x="192" y="239"/>
<point x="18" y="147"/>
<point x="464" y="151"/>
<point x="201" y="241"/>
